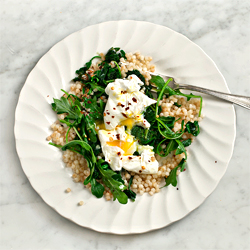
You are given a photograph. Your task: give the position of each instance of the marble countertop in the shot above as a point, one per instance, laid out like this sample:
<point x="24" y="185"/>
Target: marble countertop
<point x="29" y="28"/>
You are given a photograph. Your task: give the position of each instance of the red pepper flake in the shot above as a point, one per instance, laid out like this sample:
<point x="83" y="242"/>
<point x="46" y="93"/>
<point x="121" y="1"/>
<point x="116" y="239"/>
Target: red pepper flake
<point x="82" y="112"/>
<point x="108" y="123"/>
<point x="118" y="136"/>
<point x="47" y="95"/>
<point x="109" y="133"/>
<point x="130" y="158"/>
<point x="119" y="104"/>
<point x="134" y="99"/>
<point x="121" y="158"/>
<point x="114" y="108"/>
<point x="140" y="171"/>
<point x="143" y="167"/>
<point x="118" y="153"/>
<point x="124" y="115"/>
<point x="112" y="88"/>
<point x="127" y="108"/>
<point x="104" y="114"/>
<point x="112" y="116"/>
<point x="108" y="113"/>
<point x="122" y="105"/>
<point x="215" y="161"/>
<point x="89" y="102"/>
<point x="129" y="103"/>
<point x="177" y="188"/>
<point x="184" y="170"/>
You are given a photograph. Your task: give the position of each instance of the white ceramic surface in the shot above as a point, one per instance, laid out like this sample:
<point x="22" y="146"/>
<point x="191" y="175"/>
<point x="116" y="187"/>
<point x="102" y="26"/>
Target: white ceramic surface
<point x="174" y="55"/>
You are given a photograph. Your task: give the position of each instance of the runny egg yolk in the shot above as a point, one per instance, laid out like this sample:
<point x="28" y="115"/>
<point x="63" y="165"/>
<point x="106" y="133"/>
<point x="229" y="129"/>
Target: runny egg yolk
<point x="124" y="145"/>
<point x="100" y="125"/>
<point x="129" y="123"/>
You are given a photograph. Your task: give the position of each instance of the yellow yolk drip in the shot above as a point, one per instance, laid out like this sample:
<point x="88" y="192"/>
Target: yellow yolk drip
<point x="129" y="123"/>
<point x="100" y="125"/>
<point x="124" y="145"/>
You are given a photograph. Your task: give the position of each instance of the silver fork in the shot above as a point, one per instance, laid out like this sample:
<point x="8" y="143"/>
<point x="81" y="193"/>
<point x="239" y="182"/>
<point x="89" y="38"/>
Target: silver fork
<point x="240" y="100"/>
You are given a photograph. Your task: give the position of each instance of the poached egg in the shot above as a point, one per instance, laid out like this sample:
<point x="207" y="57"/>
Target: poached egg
<point x="124" y="107"/>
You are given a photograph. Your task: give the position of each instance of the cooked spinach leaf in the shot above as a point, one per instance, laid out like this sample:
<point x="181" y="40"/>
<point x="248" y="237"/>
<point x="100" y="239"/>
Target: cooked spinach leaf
<point x="114" y="54"/>
<point x="82" y="71"/>
<point x="177" y="105"/>
<point x="137" y="73"/>
<point x="193" y="128"/>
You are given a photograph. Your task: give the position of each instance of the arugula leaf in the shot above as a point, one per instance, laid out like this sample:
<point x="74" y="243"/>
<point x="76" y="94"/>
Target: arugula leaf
<point x="90" y="127"/>
<point x="62" y="105"/>
<point x="115" y="186"/>
<point x="158" y="81"/>
<point x="131" y="194"/>
<point x="166" y="132"/>
<point x="172" y="178"/>
<point x="96" y="109"/>
<point x="82" y="148"/>
<point x="137" y="73"/>
<point x="172" y="145"/>
<point x="168" y="121"/>
<point x="86" y="150"/>
<point x="97" y="188"/>
<point x="192" y="128"/>
<point x="181" y="148"/>
<point x="185" y="143"/>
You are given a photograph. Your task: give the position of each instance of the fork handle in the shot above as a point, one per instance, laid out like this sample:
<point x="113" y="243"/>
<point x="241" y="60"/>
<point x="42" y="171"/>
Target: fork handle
<point x="240" y="100"/>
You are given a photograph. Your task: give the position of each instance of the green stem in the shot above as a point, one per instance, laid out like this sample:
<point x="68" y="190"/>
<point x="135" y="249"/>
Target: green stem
<point x="166" y="127"/>
<point x="182" y="148"/>
<point x="55" y="145"/>
<point x="67" y="135"/>
<point x="161" y="94"/>
<point x="118" y="68"/>
<point x="78" y="133"/>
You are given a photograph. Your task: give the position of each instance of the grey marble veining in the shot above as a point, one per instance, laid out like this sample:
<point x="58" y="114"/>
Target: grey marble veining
<point x="29" y="28"/>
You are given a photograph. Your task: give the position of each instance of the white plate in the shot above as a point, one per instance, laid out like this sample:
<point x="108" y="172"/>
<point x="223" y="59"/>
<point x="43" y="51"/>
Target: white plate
<point x="174" y="55"/>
